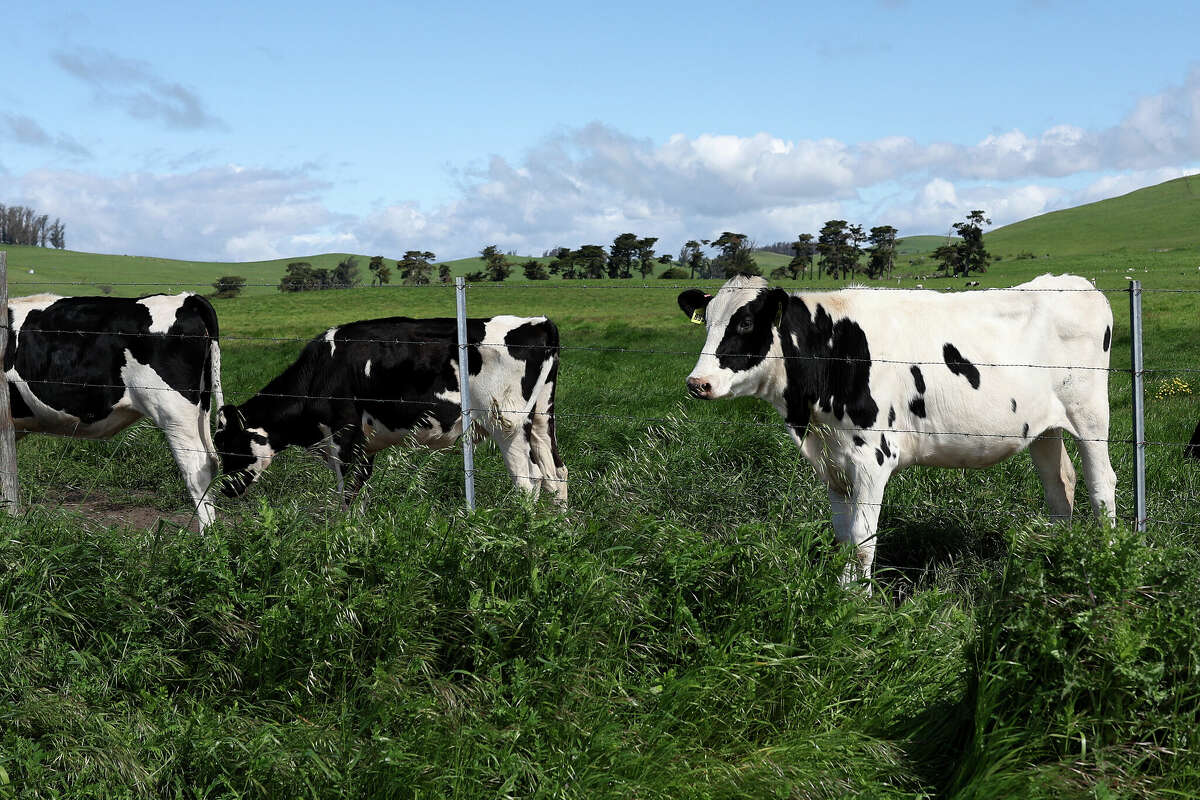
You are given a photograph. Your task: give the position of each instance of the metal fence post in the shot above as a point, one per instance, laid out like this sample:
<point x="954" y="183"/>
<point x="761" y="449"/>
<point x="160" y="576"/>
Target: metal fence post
<point x="10" y="491"/>
<point x="1139" y="405"/>
<point x="464" y="391"/>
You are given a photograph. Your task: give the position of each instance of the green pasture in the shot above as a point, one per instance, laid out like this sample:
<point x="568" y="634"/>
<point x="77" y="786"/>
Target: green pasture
<point x="678" y="632"/>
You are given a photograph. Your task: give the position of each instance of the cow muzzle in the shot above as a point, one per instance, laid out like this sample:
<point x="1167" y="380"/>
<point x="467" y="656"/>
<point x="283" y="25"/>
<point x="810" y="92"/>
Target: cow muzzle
<point x="699" y="388"/>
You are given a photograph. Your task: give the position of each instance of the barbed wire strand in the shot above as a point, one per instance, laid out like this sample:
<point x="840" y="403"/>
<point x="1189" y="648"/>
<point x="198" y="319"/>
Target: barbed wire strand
<point x="581" y="284"/>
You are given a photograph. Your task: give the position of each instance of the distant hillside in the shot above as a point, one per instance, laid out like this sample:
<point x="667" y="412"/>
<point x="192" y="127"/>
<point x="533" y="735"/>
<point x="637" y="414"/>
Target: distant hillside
<point x="1162" y="217"/>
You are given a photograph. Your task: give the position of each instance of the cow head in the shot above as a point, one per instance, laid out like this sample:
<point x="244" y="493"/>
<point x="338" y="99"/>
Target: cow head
<point x="245" y="452"/>
<point x="740" y="319"/>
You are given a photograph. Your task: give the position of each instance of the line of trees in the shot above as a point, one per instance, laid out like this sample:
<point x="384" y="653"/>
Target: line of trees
<point x="840" y="249"/>
<point x="23" y="225"/>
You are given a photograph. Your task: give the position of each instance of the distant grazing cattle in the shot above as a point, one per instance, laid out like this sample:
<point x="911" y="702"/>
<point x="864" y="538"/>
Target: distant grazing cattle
<point x="870" y="382"/>
<point x="91" y="366"/>
<point x="364" y="386"/>
<point x="1193" y="447"/>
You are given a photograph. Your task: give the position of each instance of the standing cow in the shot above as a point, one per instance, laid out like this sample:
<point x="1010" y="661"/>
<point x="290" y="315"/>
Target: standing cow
<point x="364" y="386"/>
<point x="870" y="382"/>
<point x="91" y="366"/>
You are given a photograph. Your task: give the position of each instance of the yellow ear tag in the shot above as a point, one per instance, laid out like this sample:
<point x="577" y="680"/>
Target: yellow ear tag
<point x="698" y="316"/>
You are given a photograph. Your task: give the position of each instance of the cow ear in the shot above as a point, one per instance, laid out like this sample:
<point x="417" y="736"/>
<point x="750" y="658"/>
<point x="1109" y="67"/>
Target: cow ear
<point x="693" y="302"/>
<point x="228" y="416"/>
<point x="779" y="299"/>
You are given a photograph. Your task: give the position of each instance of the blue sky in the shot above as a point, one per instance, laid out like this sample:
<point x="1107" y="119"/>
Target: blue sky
<point x="244" y="131"/>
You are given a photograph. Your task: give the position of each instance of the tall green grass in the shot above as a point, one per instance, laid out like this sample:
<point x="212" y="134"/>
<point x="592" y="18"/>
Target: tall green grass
<point x="678" y="632"/>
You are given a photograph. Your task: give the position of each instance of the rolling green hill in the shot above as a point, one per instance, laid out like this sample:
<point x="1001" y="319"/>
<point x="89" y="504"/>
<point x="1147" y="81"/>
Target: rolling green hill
<point x="1157" y="218"/>
<point x="1143" y="224"/>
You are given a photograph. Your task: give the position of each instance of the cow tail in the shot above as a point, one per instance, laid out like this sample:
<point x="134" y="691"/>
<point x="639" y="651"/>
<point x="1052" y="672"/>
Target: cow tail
<point x="215" y="378"/>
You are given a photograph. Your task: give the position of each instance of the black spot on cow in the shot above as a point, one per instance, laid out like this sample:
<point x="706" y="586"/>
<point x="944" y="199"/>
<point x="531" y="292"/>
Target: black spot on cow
<point x="1025" y="431"/>
<point x="532" y="343"/>
<point x="917" y="406"/>
<point x="879" y="456"/>
<point x="20" y="410"/>
<point x="750" y="331"/>
<point x="1014" y="405"/>
<point x="71" y="353"/>
<point x="829" y="365"/>
<point x="859" y="441"/>
<point x="918" y="379"/>
<point x="1107" y="337"/>
<point x="891" y="416"/>
<point x="959" y="365"/>
<point x="883" y="445"/>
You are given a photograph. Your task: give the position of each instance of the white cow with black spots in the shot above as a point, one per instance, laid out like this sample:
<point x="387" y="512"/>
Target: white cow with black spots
<point x="870" y="382"/>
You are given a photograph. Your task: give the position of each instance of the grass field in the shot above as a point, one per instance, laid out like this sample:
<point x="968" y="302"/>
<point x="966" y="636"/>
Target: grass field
<point x="678" y="632"/>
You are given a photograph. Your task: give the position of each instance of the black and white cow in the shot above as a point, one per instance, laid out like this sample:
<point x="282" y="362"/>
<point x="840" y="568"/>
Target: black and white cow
<point x="870" y="382"/>
<point x="91" y="366"/>
<point x="364" y="386"/>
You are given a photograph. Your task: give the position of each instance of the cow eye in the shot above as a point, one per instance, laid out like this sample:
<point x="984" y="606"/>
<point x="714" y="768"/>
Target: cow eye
<point x="745" y="326"/>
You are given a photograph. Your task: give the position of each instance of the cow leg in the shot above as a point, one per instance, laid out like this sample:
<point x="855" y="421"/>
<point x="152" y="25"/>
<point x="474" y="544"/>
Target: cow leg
<point x="544" y="446"/>
<point x="356" y="479"/>
<point x="1091" y="437"/>
<point x="515" y="446"/>
<point x="1057" y="472"/>
<point x="196" y="465"/>
<point x="347" y="457"/>
<point x="856" y="523"/>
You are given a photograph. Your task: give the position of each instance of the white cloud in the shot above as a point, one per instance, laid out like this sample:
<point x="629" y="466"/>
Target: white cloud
<point x="219" y="213"/>
<point x="589" y="184"/>
<point x="133" y="86"/>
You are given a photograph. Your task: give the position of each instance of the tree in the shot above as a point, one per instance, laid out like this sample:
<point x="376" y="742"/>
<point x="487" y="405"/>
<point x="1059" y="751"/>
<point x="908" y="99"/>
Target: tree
<point x="300" y="277"/>
<point x="415" y="267"/>
<point x="22" y="225"/>
<point x="833" y="244"/>
<point x="645" y="255"/>
<point x="443" y="272"/>
<point x="590" y="260"/>
<point x="947" y="256"/>
<point x="666" y="259"/>
<point x="228" y="286"/>
<point x="495" y="266"/>
<point x="381" y="273"/>
<point x="535" y="270"/>
<point x="559" y="260"/>
<point x="735" y="257"/>
<point x="882" y="254"/>
<point x="58" y="236"/>
<point x="345" y="274"/>
<point x="692" y="256"/>
<point x="972" y="255"/>
<point x="803" y="250"/>
<point x="620" y="256"/>
<point x="857" y="237"/>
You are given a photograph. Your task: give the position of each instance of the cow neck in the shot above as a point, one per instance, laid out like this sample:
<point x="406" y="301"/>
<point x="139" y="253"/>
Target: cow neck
<point x="830" y="369"/>
<point x="281" y="407"/>
<point x="805" y="377"/>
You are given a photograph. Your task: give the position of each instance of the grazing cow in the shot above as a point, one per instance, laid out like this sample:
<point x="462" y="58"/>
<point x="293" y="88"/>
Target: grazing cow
<point x="364" y="386"/>
<point x="1193" y="447"/>
<point x="91" y="366"/>
<point x="880" y="380"/>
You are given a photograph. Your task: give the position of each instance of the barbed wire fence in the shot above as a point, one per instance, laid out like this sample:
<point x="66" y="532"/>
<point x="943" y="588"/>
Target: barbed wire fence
<point x="1137" y="373"/>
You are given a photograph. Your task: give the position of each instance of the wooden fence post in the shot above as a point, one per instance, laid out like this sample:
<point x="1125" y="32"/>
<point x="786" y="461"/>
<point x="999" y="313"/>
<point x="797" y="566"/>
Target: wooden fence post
<point x="10" y="490"/>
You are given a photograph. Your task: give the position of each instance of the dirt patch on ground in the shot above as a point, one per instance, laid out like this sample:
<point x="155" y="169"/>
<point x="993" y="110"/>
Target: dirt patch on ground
<point x="128" y="513"/>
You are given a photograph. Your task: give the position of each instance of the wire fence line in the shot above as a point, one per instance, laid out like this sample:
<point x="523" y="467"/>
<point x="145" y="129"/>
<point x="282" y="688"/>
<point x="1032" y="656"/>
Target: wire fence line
<point x="608" y="284"/>
<point x="623" y="418"/>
